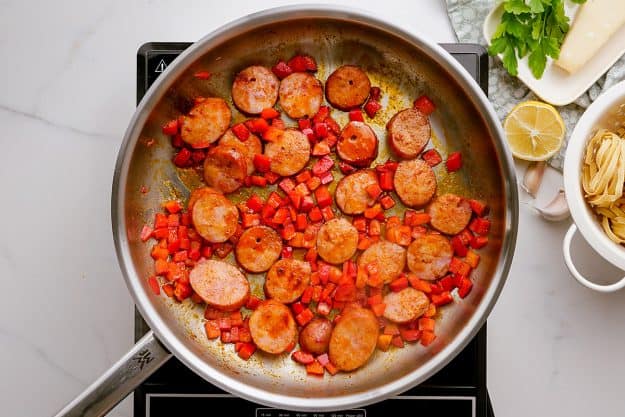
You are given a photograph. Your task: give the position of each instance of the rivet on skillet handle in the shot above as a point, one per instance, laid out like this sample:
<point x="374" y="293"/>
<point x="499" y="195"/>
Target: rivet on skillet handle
<point x="115" y="384"/>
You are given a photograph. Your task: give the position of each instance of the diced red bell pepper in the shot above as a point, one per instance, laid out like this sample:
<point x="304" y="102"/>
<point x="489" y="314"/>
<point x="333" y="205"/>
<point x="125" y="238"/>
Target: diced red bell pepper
<point x="386" y="180"/>
<point x="391" y="329"/>
<point x="154" y="286"/>
<point x="202" y="75"/>
<point x="304" y="124"/>
<point x="479" y="207"/>
<point x="473" y="259"/>
<point x="302" y="189"/>
<point x="253" y="302"/>
<point x="250" y="219"/>
<point x="466" y="236"/>
<point x="301" y="222"/>
<point x="427" y="338"/>
<point x="272" y="133"/>
<point x="307" y="295"/>
<point x="372" y="212"/>
<point x="198" y="156"/>
<point x="375" y="93"/>
<point x="479" y="242"/>
<point x="441" y="299"/>
<point x="373" y="190"/>
<point x="182" y="158"/>
<point x="424" y="105"/>
<point x="246" y="351"/>
<point x="322" y="165"/>
<point x="447" y="283"/>
<point x="371" y="108"/>
<point x="315" y="369"/>
<point x="397" y="341"/>
<point x="480" y="226"/>
<point x="146" y="233"/>
<point x="206" y="251"/>
<point x="288" y="232"/>
<point x="172" y="206"/>
<point x="254" y="203"/>
<point x="281" y="215"/>
<point x="169" y="291"/>
<point x="465" y="287"/>
<point x="303" y="176"/>
<point x="171" y="128"/>
<point x="262" y="163"/>
<point x="432" y="157"/>
<point x="356" y="116"/>
<point x="360" y="223"/>
<point x="287" y="185"/>
<point x="321" y="149"/>
<point x="426" y="324"/>
<point x="287" y="252"/>
<point x="272" y="177"/>
<point x="315" y="214"/>
<point x="387" y="202"/>
<point x="326" y="177"/>
<point x="459" y="248"/>
<point x="327" y="213"/>
<point x="282" y="69"/>
<point x="269" y="113"/>
<point x="454" y="161"/>
<point x="313" y="183"/>
<point x="346" y="168"/>
<point x="212" y="329"/>
<point x="323" y="196"/>
<point x="412" y="218"/>
<point x="307" y="204"/>
<point x="320" y="129"/>
<point x="176" y="141"/>
<point x="345" y="293"/>
<point x="322" y="114"/>
<point x="304" y="317"/>
<point x="274" y="200"/>
<point x="304" y="358"/>
<point x="334" y="128"/>
<point x="459" y="267"/>
<point x="258" y="126"/>
<point x="302" y="63"/>
<point x="375" y="228"/>
<point x="409" y="335"/>
<point x="310" y="135"/>
<point x="399" y="284"/>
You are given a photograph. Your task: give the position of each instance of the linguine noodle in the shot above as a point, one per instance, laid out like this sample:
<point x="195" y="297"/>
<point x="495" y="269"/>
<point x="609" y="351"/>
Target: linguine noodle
<point x="603" y="177"/>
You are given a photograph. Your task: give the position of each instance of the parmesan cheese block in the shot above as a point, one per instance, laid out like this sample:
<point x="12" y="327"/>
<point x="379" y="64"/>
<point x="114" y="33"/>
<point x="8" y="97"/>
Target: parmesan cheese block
<point x="595" y="23"/>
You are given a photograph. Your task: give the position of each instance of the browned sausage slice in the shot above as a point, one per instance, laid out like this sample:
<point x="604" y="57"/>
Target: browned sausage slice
<point x="389" y="257"/>
<point x="258" y="248"/>
<point x="353" y="339"/>
<point x="197" y="193"/>
<point x="347" y="87"/>
<point x="273" y="328"/>
<point x="429" y="256"/>
<point x="220" y="284"/>
<point x="289" y="153"/>
<point x="248" y="149"/>
<point x="225" y="168"/>
<point x="215" y="218"/>
<point x="406" y="305"/>
<point x="337" y="241"/>
<point x="351" y="194"/>
<point x="449" y="213"/>
<point x="287" y="279"/>
<point x="206" y="122"/>
<point x="315" y="337"/>
<point x="301" y="95"/>
<point x="408" y="133"/>
<point x="255" y="88"/>
<point x="415" y="182"/>
<point x="358" y="144"/>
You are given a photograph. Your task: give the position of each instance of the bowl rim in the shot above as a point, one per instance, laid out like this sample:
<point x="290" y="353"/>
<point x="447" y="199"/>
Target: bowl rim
<point x="582" y="215"/>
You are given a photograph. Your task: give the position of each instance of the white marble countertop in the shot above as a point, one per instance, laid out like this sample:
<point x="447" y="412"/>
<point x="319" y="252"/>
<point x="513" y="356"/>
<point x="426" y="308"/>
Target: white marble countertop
<point x="67" y="92"/>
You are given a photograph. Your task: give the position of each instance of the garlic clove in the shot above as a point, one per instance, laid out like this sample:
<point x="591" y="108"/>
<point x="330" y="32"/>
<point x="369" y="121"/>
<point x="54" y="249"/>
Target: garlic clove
<point x="533" y="177"/>
<point x="557" y="210"/>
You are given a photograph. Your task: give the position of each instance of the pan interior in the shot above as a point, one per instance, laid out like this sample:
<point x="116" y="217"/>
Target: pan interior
<point x="404" y="72"/>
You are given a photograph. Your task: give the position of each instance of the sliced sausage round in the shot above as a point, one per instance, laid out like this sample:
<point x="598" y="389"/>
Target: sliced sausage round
<point x="273" y="328"/>
<point x="225" y="169"/>
<point x="215" y="218"/>
<point x="315" y="337"/>
<point x="255" y="88"/>
<point x="287" y="279"/>
<point x="337" y="241"/>
<point x="347" y="87"/>
<point x="358" y="144"/>
<point x="353" y="339"/>
<point x="301" y="95"/>
<point x="220" y="284"/>
<point x="449" y="213"/>
<point x="406" y="305"/>
<point x="258" y="248"/>
<point x="408" y="133"/>
<point x="248" y="149"/>
<point x="415" y="182"/>
<point x="351" y="192"/>
<point x="206" y="122"/>
<point x="289" y="153"/>
<point x="197" y="193"/>
<point x="389" y="257"/>
<point x="429" y="256"/>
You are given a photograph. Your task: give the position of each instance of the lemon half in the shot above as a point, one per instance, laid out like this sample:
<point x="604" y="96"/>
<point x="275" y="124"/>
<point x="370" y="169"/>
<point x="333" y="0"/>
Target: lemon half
<point x="535" y="131"/>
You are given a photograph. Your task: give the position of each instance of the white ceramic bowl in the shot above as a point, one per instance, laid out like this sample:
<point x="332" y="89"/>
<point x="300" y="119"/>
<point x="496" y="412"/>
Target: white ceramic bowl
<point x="605" y="112"/>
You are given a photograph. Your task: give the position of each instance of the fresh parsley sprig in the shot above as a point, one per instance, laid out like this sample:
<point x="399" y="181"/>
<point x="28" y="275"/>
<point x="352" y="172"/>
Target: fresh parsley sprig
<point x="530" y="27"/>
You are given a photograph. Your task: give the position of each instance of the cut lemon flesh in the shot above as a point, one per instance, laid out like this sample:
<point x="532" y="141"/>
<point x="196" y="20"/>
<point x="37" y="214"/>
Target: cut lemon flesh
<point x="535" y="131"/>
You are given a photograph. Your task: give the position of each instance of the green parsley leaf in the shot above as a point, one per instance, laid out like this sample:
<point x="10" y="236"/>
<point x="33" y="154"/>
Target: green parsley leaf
<point x="530" y="27"/>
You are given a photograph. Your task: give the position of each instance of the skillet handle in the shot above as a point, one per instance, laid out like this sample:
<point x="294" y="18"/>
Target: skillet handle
<point x="124" y="376"/>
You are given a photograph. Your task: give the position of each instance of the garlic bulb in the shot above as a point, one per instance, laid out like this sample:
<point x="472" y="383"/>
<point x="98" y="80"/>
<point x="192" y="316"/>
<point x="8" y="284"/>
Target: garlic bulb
<point x="556" y="210"/>
<point x="533" y="177"/>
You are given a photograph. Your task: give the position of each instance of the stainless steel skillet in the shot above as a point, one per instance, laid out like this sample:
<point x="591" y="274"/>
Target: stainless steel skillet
<point x="404" y="65"/>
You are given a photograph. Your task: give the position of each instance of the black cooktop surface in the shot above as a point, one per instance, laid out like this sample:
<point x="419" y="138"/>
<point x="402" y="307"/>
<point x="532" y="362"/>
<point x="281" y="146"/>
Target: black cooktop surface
<point x="458" y="390"/>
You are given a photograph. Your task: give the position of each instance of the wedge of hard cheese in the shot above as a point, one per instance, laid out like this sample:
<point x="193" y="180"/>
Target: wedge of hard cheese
<point x="595" y="23"/>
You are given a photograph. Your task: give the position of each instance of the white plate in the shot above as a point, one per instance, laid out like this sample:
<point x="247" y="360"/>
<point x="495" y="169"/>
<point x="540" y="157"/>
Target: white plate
<point x="557" y="86"/>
